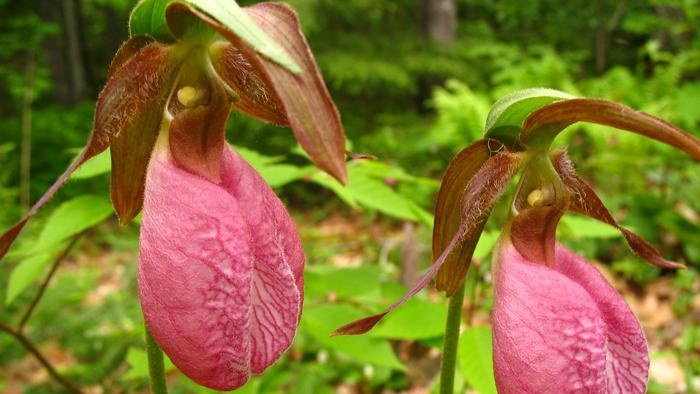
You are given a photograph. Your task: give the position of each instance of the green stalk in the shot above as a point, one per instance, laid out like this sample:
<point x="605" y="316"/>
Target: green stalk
<point x="449" y="348"/>
<point x="156" y="370"/>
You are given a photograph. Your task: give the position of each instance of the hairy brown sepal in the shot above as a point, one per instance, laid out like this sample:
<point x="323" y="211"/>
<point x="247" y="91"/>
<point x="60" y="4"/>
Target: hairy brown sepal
<point x="130" y="110"/>
<point x="586" y="202"/>
<point x="447" y="213"/>
<point x="111" y="116"/>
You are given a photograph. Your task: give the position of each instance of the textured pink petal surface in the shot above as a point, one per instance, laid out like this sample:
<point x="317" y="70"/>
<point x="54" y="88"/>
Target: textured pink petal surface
<point x="220" y="271"/>
<point x="562" y="329"/>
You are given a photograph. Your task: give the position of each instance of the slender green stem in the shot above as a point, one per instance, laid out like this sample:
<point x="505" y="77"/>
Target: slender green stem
<point x="449" y="348"/>
<point x="156" y="369"/>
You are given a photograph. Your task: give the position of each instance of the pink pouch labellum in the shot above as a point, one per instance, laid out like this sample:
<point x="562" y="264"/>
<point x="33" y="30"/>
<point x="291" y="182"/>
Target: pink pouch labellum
<point x="220" y="271"/>
<point x="563" y="329"/>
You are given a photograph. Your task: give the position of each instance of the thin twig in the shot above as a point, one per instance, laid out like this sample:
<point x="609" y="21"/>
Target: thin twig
<point x="40" y="357"/>
<point x="54" y="267"/>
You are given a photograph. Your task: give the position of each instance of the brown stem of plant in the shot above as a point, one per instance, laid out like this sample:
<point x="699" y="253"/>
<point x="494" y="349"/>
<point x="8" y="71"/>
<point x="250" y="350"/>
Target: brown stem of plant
<point x="40" y="293"/>
<point x="40" y="357"/>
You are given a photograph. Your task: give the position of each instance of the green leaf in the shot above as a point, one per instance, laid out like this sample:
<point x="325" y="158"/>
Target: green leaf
<point x="416" y="319"/>
<point x="98" y="165"/>
<point x="507" y="115"/>
<point x="138" y="364"/>
<point x="24" y="273"/>
<point x="230" y="15"/>
<point x="148" y="18"/>
<point x="320" y="320"/>
<point x="356" y="283"/>
<point x="475" y="359"/>
<point x="584" y="227"/>
<point x="371" y="192"/>
<point x="70" y="218"/>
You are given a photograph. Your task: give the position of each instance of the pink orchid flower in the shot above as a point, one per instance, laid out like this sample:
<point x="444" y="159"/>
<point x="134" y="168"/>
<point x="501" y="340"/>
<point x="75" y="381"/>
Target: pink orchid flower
<point x="220" y="263"/>
<point x="558" y="325"/>
<point x="220" y="270"/>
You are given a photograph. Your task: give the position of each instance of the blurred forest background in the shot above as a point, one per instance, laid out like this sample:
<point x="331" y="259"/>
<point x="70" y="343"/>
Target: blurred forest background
<point x="413" y="80"/>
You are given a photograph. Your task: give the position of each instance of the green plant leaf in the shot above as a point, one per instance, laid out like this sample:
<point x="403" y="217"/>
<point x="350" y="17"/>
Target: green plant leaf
<point x="138" y="364"/>
<point x="371" y="192"/>
<point x="416" y="319"/>
<point x="24" y="273"/>
<point x="475" y="359"/>
<point x="148" y="18"/>
<point x="229" y="14"/>
<point x="584" y="227"/>
<point x="98" y="165"/>
<point x="70" y="218"/>
<point x="320" y="320"/>
<point x="356" y="283"/>
<point x="508" y="114"/>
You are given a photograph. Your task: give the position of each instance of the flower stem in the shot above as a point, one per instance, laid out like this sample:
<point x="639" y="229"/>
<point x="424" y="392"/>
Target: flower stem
<point x="156" y="369"/>
<point x="449" y="349"/>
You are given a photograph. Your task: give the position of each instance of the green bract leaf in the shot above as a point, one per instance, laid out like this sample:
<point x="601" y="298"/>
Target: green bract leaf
<point x="475" y="359"/>
<point x="24" y="273"/>
<point x="508" y="114"/>
<point x="148" y="18"/>
<point x="230" y="15"/>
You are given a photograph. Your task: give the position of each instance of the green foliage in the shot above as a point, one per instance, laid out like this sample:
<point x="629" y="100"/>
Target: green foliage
<point x="475" y="358"/>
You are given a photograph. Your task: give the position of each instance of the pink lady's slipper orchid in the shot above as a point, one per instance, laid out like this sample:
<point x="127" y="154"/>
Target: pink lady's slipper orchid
<point x="558" y="325"/>
<point x="221" y="262"/>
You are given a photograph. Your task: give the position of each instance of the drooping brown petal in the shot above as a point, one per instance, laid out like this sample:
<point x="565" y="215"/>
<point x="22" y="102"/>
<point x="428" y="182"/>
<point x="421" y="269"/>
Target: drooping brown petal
<point x="544" y="124"/>
<point x="197" y="136"/>
<point x="130" y="110"/>
<point x="307" y="104"/>
<point x="586" y="202"/>
<point x="447" y="213"/>
<point x="132" y="82"/>
<point x="481" y="192"/>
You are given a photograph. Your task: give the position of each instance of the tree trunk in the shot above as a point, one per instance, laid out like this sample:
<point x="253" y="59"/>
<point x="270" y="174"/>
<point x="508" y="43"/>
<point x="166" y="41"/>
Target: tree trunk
<point x="437" y="22"/>
<point x="65" y="50"/>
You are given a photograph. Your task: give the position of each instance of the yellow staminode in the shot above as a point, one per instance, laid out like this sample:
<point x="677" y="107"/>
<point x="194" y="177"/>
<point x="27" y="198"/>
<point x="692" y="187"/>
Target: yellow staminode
<point x="189" y="96"/>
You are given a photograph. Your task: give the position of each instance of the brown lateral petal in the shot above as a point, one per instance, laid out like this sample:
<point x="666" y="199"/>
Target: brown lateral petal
<point x="197" y="137"/>
<point x="110" y="116"/>
<point x="447" y="213"/>
<point x="586" y="202"/>
<point x="545" y="123"/>
<point x="478" y="197"/>
<point x="130" y="110"/>
<point x="307" y="104"/>
<point x="255" y="98"/>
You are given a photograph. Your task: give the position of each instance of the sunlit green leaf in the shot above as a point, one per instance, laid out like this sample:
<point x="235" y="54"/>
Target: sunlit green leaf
<point x="356" y="283"/>
<point x="70" y="218"/>
<point x="98" y="165"/>
<point x="475" y="359"/>
<point x="416" y="319"/>
<point x="320" y="321"/>
<point x="584" y="227"/>
<point x="24" y="273"/>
